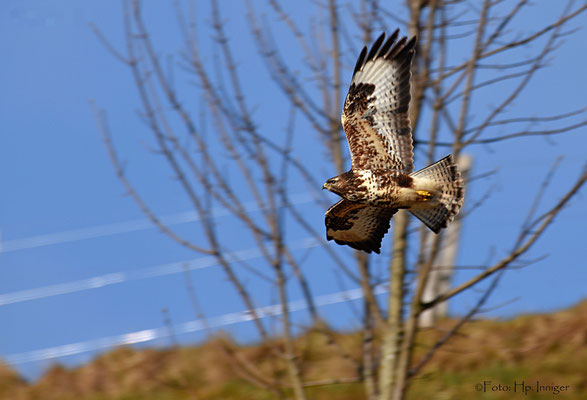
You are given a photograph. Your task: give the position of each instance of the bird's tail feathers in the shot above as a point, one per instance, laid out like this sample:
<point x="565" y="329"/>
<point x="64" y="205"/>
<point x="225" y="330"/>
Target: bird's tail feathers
<point x="448" y="177"/>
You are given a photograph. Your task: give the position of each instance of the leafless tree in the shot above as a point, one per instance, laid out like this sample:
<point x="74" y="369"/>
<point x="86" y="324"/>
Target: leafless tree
<point x="241" y="159"/>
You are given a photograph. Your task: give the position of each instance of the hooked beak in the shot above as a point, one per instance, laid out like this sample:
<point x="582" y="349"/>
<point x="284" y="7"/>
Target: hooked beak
<point x="325" y="186"/>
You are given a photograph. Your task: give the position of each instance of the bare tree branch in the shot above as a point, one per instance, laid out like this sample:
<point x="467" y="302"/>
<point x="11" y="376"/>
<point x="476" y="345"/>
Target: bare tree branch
<point x="241" y="158"/>
<point x="529" y="239"/>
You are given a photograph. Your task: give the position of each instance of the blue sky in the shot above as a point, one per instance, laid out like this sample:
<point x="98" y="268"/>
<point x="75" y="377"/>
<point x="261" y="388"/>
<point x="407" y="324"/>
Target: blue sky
<point x="58" y="184"/>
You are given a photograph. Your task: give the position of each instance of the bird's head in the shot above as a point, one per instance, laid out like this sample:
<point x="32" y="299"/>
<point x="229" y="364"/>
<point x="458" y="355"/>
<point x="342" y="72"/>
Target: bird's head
<point x="338" y="184"/>
<point x="329" y="184"/>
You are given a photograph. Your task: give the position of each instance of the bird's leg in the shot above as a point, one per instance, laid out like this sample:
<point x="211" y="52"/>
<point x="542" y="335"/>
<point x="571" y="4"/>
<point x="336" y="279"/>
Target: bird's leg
<point x="424" y="195"/>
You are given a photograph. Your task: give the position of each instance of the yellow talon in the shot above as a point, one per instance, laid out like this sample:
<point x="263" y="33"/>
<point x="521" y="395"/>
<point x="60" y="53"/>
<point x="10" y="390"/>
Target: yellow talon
<point x="424" y="194"/>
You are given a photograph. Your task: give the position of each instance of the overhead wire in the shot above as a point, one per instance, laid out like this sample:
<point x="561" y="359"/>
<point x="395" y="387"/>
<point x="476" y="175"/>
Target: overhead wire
<point x="113" y="278"/>
<point x="148" y="335"/>
<point x="125" y="227"/>
<point x="145" y="273"/>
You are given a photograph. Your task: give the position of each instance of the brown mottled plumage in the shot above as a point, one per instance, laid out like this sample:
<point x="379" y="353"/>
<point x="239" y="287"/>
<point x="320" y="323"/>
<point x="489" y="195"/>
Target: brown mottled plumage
<point x="375" y="119"/>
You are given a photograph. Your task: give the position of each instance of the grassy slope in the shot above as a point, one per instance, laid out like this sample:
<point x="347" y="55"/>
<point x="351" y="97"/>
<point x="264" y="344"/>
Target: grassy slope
<point x="551" y="349"/>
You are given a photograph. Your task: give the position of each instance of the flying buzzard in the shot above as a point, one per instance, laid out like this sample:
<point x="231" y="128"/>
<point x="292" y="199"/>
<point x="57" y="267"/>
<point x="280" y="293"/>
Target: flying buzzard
<point x="376" y="122"/>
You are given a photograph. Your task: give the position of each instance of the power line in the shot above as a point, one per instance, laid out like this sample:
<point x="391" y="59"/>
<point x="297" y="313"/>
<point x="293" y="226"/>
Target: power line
<point x="99" y="281"/>
<point x="148" y="335"/>
<point x="126" y="227"/>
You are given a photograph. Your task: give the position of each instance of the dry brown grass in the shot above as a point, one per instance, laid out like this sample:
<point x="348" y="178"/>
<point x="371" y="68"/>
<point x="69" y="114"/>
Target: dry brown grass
<point x="551" y="348"/>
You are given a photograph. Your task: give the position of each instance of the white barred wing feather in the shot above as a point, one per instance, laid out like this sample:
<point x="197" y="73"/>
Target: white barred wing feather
<point x="375" y="116"/>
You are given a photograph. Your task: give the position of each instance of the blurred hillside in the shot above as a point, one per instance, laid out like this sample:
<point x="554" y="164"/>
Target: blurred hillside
<point x="550" y="349"/>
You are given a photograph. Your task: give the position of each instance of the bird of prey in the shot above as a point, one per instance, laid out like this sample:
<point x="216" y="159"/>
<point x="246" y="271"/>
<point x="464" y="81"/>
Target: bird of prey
<point x="375" y="119"/>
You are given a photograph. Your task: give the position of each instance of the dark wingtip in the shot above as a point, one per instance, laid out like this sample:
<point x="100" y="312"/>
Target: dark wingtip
<point x="412" y="42"/>
<point x="409" y="45"/>
<point x="389" y="49"/>
<point x="376" y="47"/>
<point x="360" y="60"/>
<point x="395" y="34"/>
<point x="388" y="43"/>
<point x="397" y="49"/>
<point x="402" y="48"/>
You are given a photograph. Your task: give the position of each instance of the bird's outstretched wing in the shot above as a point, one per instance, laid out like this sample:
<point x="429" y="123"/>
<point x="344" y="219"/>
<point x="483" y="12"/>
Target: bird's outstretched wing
<point x="358" y="225"/>
<point x="375" y="115"/>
